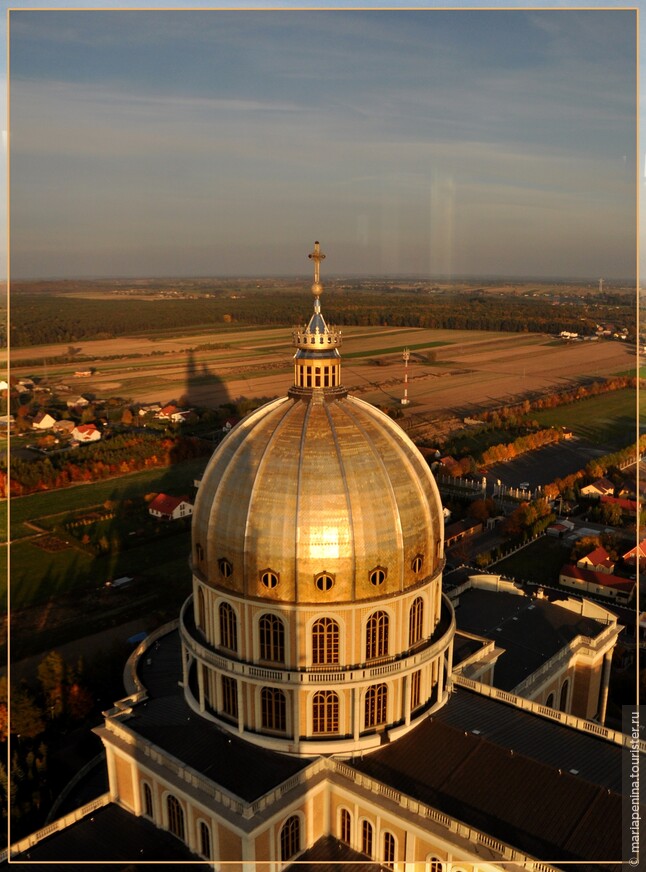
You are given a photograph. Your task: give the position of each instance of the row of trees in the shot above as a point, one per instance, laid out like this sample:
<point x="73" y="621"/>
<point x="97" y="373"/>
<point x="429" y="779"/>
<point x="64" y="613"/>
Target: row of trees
<point x="520" y="445"/>
<point x="128" y="452"/>
<point x="42" y="318"/>
<point x="514" y="414"/>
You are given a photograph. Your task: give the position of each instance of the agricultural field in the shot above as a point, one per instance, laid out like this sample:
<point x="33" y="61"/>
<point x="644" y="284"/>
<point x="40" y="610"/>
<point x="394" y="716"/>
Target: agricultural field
<point x="609" y="420"/>
<point x="451" y="372"/>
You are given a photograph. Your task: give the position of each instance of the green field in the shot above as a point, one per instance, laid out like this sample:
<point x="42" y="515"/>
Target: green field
<point x="41" y="505"/>
<point x="608" y="420"/>
<point x="540" y="562"/>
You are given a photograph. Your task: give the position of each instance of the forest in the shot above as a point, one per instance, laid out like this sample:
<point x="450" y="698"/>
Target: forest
<point x="46" y="318"/>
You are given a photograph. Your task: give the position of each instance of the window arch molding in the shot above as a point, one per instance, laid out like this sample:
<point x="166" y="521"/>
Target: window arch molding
<point x="373" y="628"/>
<point x="313" y="699"/>
<point x="271" y="637"/>
<point x="227" y="623"/>
<point x="204" y="837"/>
<point x="564" y="695"/>
<point x="319" y="640"/>
<point x="345" y="823"/>
<point x="389" y="848"/>
<point x="434" y="864"/>
<point x="174" y="815"/>
<point x="148" y="800"/>
<point x="290" y="835"/>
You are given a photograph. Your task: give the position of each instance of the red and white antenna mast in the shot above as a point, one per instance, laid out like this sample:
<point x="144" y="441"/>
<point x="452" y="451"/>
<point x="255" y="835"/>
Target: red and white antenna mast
<point x="406" y="356"/>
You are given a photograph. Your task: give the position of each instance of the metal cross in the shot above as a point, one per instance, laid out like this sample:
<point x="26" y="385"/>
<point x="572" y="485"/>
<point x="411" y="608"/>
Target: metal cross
<point x="317" y="256"/>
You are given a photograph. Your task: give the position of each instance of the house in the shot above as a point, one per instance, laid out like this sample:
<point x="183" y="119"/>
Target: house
<point x="170" y="508"/>
<point x="150" y="408"/>
<point x="628" y="507"/>
<point x="598" y="561"/>
<point x="598" y="488"/>
<point x="637" y="553"/>
<point x="603" y="584"/>
<point x="7" y="421"/>
<point x="43" y="421"/>
<point x="80" y="403"/>
<point x="166" y="412"/>
<point x="557" y="530"/>
<point x="64" y="426"/>
<point x="86" y="433"/>
<point x="461" y="530"/>
<point x="82" y="373"/>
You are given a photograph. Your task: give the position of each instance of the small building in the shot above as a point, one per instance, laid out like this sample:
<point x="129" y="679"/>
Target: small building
<point x="600" y="487"/>
<point x="43" y="421"/>
<point x="638" y="553"/>
<point x="64" y="426"/>
<point x="628" y="507"/>
<point x="79" y="403"/>
<point x="86" y="433"/>
<point x="170" y="508"/>
<point x="598" y="561"/>
<point x="461" y="530"/>
<point x="586" y="581"/>
<point x="83" y="373"/>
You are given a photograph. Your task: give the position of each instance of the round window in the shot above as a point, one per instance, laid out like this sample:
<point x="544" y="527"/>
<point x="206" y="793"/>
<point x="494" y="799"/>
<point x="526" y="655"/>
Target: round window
<point x="225" y="567"/>
<point x="377" y="577"/>
<point x="324" y="581"/>
<point x="417" y="563"/>
<point x="269" y="579"/>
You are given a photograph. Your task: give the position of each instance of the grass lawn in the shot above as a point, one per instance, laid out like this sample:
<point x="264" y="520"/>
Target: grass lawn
<point x="38" y="576"/>
<point x="40" y="505"/>
<point x="539" y="562"/>
<point x="608" y="419"/>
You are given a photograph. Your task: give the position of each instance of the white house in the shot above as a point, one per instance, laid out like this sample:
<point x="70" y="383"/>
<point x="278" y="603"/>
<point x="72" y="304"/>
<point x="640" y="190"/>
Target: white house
<point x="170" y="508"/>
<point x="86" y="433"/>
<point x="43" y="421"/>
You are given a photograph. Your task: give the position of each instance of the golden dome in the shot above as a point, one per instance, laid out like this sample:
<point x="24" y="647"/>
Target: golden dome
<point x="328" y="495"/>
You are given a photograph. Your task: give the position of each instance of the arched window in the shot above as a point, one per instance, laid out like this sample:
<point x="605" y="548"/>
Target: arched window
<point x="366" y="838"/>
<point x="377" y="576"/>
<point x="389" y="850"/>
<point x="563" y="700"/>
<point x="228" y="627"/>
<point x="417" y="563"/>
<point x="273" y="709"/>
<point x="205" y="840"/>
<point x="200" y="608"/>
<point x="325" y="641"/>
<point x="549" y="702"/>
<point x="148" y="801"/>
<point x="229" y="696"/>
<point x="416" y="621"/>
<point x="415" y="690"/>
<point x="435" y="865"/>
<point x="377" y="636"/>
<point x="175" y="817"/>
<point x="325" y="712"/>
<point x="376" y="705"/>
<point x="346" y="826"/>
<point x="290" y="838"/>
<point x="272" y="638"/>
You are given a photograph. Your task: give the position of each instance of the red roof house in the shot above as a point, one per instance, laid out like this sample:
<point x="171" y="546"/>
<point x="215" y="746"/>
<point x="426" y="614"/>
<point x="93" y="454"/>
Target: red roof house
<point x="598" y="561"/>
<point x="170" y="508"/>
<point x="597" y="583"/>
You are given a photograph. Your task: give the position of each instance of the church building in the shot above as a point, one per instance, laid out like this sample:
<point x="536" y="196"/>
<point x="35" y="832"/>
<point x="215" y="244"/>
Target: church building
<point x="303" y="706"/>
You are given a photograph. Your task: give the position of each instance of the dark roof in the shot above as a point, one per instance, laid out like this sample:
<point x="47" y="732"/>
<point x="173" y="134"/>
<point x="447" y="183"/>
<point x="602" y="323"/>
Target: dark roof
<point x="530" y="630"/>
<point x="327" y="853"/>
<point x="110" y="833"/>
<point x="546" y="812"/>
<point x="542" y="739"/>
<point x="166" y="719"/>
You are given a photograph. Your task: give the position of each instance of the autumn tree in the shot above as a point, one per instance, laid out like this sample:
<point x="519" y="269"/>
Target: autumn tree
<point x="51" y="674"/>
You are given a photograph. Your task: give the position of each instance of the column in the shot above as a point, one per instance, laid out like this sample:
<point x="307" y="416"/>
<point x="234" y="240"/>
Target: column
<point x="356" y="692"/>
<point x="200" y="685"/>
<point x="406" y="682"/>
<point x="603" y="692"/>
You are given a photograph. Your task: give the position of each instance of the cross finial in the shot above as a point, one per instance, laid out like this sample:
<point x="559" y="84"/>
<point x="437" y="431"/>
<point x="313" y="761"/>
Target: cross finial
<point x="317" y="256"/>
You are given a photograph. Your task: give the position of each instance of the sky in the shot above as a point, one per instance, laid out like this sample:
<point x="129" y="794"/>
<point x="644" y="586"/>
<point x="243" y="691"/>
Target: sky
<point x="426" y="142"/>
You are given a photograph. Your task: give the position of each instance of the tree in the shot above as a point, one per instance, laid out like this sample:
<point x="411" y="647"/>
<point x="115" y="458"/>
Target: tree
<point x="26" y="715"/>
<point x="51" y="673"/>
